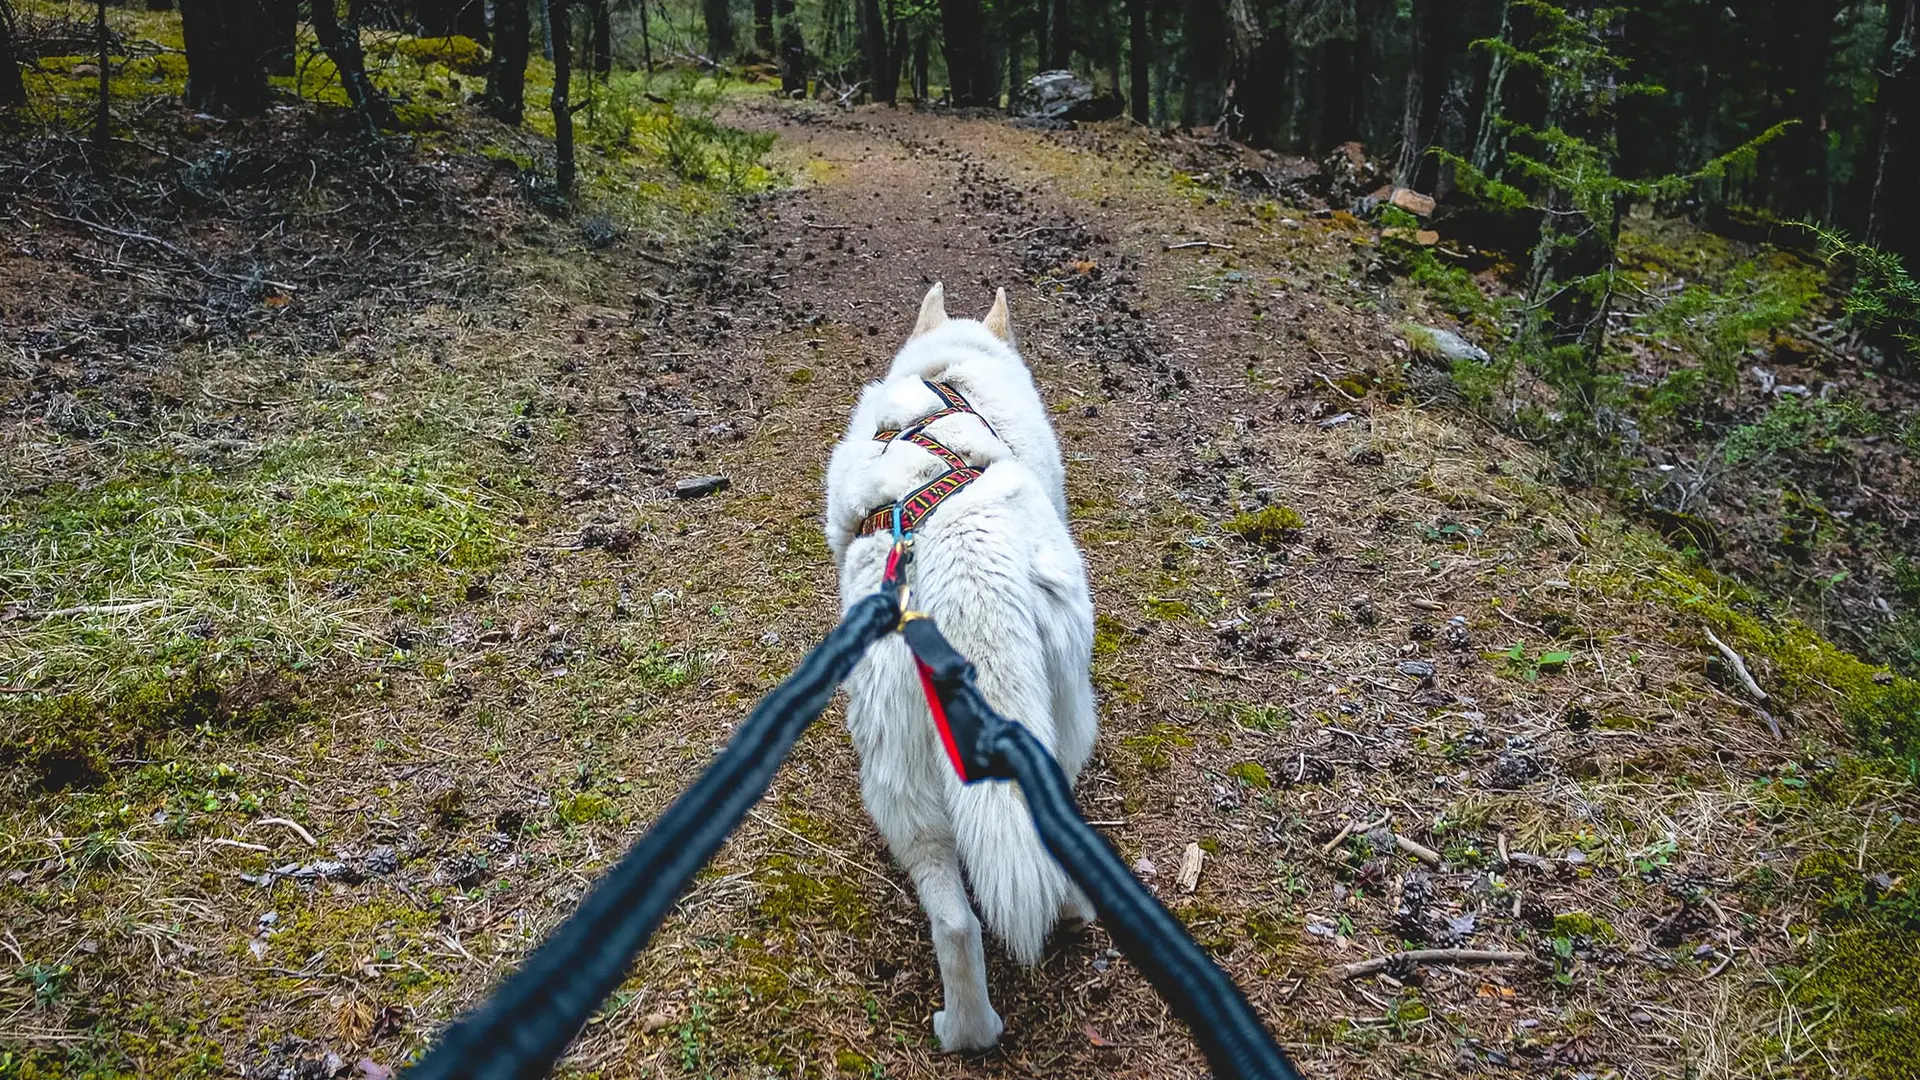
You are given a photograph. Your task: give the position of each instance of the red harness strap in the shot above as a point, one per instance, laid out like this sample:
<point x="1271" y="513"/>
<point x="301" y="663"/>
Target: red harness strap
<point x="915" y="507"/>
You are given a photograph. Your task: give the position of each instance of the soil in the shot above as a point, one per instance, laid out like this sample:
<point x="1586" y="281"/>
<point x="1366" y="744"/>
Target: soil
<point x="1432" y="641"/>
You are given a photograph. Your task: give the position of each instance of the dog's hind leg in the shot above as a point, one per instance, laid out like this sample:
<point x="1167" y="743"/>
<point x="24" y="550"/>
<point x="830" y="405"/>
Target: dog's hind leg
<point x="968" y="1021"/>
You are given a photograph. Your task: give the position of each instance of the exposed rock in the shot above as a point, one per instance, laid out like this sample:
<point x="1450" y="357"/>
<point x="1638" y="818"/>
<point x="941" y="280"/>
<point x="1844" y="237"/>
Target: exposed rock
<point x="1062" y="95"/>
<point x="693" y="487"/>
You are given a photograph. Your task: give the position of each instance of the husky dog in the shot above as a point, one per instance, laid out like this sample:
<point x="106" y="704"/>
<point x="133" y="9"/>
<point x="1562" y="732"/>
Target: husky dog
<point x="994" y="564"/>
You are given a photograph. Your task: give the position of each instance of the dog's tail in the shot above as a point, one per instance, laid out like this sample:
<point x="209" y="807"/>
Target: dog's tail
<point x="1020" y="887"/>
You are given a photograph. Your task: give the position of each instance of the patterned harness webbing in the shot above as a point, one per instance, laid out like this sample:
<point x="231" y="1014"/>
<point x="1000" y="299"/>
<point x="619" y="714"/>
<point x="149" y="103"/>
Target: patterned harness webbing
<point x="916" y="506"/>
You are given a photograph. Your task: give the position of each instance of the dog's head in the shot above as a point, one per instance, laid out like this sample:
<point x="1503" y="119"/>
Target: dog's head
<point x="933" y="315"/>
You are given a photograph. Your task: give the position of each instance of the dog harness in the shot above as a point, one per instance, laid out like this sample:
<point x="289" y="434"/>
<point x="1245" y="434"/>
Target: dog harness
<point x="914" y="508"/>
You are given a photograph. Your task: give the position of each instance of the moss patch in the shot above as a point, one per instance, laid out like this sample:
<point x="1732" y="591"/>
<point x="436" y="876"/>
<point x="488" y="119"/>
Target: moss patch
<point x="1797" y="663"/>
<point x="1251" y="773"/>
<point x="1866" y="980"/>
<point x="1581" y="924"/>
<point x="1155" y="748"/>
<point x="71" y="741"/>
<point x="1270" y="526"/>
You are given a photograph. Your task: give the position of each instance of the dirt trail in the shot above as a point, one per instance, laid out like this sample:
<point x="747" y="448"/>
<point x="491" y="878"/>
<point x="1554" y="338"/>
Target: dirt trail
<point x="1327" y="616"/>
<point x="1257" y="698"/>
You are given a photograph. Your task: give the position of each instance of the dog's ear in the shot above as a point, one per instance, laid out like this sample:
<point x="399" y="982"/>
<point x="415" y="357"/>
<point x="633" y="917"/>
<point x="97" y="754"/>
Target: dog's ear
<point x="933" y="311"/>
<point x="998" y="319"/>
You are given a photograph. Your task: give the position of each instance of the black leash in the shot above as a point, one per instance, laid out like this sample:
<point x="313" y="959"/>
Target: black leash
<point x="526" y="1025"/>
<point x="989" y="746"/>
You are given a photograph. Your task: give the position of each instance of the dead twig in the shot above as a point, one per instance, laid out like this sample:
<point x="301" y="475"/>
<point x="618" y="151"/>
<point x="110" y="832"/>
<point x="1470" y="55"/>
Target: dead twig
<point x="1725" y="963"/>
<point x="1198" y="244"/>
<point x="287" y="823"/>
<point x="174" y="250"/>
<point x="1431" y="956"/>
<point x="1331" y="385"/>
<point x="1348" y="830"/>
<point x="1041" y="229"/>
<point x="1739" y="667"/>
<point x="1418" y="850"/>
<point x="837" y="855"/>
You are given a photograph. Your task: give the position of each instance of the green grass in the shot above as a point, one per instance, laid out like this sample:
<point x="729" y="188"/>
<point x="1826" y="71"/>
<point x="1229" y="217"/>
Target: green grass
<point x="301" y="554"/>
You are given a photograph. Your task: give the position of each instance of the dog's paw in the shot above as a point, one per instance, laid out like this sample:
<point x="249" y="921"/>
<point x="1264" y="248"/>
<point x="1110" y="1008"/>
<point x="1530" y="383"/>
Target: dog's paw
<point x="962" y="1034"/>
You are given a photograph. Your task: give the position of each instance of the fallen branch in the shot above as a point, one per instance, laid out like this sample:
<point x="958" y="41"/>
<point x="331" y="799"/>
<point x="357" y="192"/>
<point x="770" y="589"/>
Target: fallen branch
<point x="1431" y="956"/>
<point x="1348" y="830"/>
<point x="1198" y="244"/>
<point x="286" y="823"/>
<point x="1725" y="963"/>
<point x="1418" y="850"/>
<point x="172" y="249"/>
<point x="1331" y="385"/>
<point x="1739" y="666"/>
<point x="1041" y="229"/>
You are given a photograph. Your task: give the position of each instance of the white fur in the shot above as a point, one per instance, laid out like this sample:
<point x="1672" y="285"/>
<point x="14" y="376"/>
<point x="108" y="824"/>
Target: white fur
<point x="998" y="570"/>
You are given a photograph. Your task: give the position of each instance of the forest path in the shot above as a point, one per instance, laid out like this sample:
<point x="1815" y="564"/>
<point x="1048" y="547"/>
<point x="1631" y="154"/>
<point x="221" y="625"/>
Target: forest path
<point x="1321" y="605"/>
<point x="1257" y="698"/>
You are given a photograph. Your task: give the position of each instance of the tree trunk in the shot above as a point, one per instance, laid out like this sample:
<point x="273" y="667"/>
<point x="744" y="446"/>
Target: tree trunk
<point x="103" y="115"/>
<point x="1204" y="33"/>
<point x="1337" y="119"/>
<point x="507" y="73"/>
<point x="1426" y="88"/>
<point x="343" y="49"/>
<point x="560" y="33"/>
<point x="646" y="37"/>
<point x="763" y="27"/>
<point x="793" y="49"/>
<point x="13" y="88"/>
<point x="970" y="76"/>
<point x="873" y="46"/>
<point x="281" y="29"/>
<point x="159" y="5"/>
<point x="227" y="43"/>
<point x="1892" y="223"/>
<point x="1162" y="62"/>
<point x="1256" y="76"/>
<point x="1514" y="95"/>
<point x="1800" y="38"/>
<point x="920" y="66"/>
<point x="1012" y="49"/>
<point x="896" y="60"/>
<point x="719" y="18"/>
<point x="1140" y="57"/>
<point x="471" y="20"/>
<point x="602" y="39"/>
<point x="1060" y="43"/>
<point x="1040" y="38"/>
<point x="1489" y="145"/>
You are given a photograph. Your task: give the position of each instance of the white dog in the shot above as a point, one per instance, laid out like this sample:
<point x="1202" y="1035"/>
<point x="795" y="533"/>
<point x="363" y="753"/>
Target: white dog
<point x="995" y="566"/>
